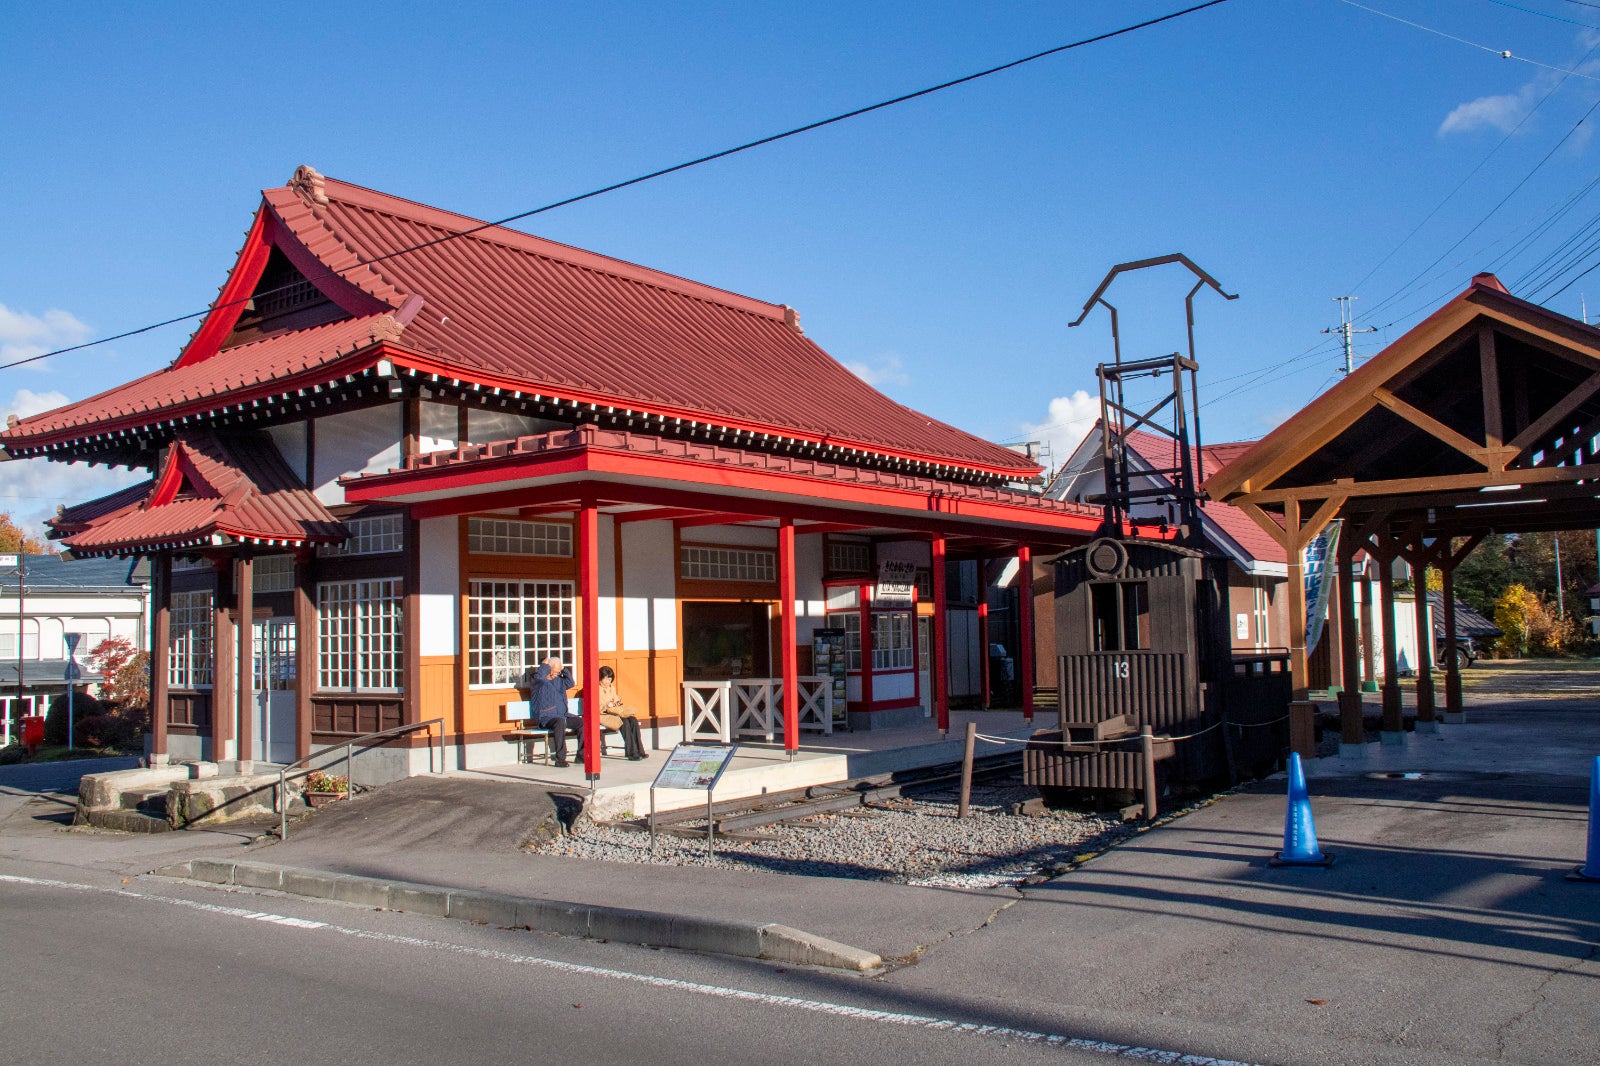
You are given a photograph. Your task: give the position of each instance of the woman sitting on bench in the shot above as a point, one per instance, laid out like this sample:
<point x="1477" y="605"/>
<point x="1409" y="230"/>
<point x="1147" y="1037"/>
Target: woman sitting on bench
<point x="614" y="714"/>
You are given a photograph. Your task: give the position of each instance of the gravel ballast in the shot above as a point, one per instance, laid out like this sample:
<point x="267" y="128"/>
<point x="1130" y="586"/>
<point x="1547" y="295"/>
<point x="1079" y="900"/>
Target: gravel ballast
<point x="912" y="840"/>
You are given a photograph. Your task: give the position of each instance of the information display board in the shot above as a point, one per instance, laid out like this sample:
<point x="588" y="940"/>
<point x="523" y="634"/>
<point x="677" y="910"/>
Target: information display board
<point x="829" y="653"/>
<point x="695" y="766"/>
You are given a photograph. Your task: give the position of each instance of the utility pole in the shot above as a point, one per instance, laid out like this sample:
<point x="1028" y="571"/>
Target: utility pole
<point x="1345" y="328"/>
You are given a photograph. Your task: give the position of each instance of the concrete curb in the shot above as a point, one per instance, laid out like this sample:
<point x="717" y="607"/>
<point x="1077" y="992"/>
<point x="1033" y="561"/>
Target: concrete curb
<point x="752" y="940"/>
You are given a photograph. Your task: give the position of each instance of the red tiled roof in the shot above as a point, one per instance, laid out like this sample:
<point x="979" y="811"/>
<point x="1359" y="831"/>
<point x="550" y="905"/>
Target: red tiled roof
<point x="510" y="310"/>
<point x="498" y="467"/>
<point x="261" y="367"/>
<point x="239" y="488"/>
<point x="1240" y="528"/>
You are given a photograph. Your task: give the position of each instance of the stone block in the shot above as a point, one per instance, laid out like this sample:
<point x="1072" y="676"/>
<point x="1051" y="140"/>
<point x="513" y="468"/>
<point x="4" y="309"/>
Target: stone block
<point x="216" y="871"/>
<point x="484" y="907"/>
<point x="309" y="883"/>
<point x="549" y="916"/>
<point x="419" y="899"/>
<point x="258" y="875"/>
<point x="366" y="891"/>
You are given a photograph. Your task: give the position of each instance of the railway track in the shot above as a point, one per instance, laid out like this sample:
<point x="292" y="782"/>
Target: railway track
<point x="736" y="819"/>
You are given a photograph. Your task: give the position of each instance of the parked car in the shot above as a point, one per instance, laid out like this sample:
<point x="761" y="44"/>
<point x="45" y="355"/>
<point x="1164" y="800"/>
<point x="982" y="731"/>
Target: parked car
<point x="1474" y="632"/>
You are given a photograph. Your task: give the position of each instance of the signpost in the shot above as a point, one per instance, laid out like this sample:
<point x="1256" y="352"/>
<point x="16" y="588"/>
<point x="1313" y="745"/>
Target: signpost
<point x="692" y="766"/>
<point x="73" y="673"/>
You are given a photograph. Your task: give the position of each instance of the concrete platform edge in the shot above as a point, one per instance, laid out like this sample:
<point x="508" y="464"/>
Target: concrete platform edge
<point x="765" y="940"/>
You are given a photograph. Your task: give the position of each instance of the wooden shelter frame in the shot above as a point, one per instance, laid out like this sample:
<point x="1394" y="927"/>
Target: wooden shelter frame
<point x="1484" y="418"/>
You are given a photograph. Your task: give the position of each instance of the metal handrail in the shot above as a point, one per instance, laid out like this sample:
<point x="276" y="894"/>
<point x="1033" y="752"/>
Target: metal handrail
<point x="281" y="794"/>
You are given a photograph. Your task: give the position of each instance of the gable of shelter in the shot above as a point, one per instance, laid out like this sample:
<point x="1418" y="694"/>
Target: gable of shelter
<point x="1487" y="390"/>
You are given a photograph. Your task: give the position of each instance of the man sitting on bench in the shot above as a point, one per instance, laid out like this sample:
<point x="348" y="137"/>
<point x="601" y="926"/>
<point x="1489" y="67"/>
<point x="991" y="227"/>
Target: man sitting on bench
<point x="547" y="686"/>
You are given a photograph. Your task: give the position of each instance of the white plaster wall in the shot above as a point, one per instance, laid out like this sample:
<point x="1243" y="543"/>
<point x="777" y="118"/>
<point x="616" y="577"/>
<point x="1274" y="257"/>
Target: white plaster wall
<point x="649" y="587"/>
<point x="351" y="442"/>
<point x="749" y="536"/>
<point x="438" y="426"/>
<point x="290" y="441"/>
<point x="484" y="425"/>
<point x="809" y="607"/>
<point x="893" y="686"/>
<point x="441" y="580"/>
<point x="607" y="527"/>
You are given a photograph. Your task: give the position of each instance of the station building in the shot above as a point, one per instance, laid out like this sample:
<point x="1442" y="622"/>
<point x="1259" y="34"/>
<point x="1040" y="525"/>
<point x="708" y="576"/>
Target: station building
<point x="408" y="454"/>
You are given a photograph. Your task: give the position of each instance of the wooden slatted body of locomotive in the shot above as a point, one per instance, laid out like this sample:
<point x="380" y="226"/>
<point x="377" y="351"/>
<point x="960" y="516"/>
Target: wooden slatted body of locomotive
<point x="1142" y="624"/>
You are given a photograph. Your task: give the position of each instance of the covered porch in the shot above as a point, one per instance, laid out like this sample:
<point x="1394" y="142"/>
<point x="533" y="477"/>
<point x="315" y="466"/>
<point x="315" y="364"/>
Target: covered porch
<point x="621" y="490"/>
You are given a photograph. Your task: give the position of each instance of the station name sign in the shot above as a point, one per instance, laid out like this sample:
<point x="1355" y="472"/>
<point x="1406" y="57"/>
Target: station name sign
<point x="897" y="583"/>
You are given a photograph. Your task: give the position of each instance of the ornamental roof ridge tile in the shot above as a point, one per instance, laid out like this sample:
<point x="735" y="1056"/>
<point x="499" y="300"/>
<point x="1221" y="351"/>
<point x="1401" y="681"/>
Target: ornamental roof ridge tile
<point x="285" y="208"/>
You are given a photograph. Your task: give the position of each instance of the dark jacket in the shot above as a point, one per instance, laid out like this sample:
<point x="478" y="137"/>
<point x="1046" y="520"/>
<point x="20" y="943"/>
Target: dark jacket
<point x="547" y="694"/>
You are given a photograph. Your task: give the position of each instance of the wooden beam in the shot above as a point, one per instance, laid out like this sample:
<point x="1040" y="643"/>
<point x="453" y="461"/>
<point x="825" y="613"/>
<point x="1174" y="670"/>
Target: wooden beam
<point x="1296" y="587"/>
<point x="1317" y="522"/>
<point x="1524" y="441"/>
<point x="1489" y="373"/>
<point x="1432" y="426"/>
<point x="1422" y="485"/>
<point x="1268" y="524"/>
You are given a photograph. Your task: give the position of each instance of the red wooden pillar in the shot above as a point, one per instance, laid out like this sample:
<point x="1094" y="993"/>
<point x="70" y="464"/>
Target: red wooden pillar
<point x="1025" y="628"/>
<point x="985" y="682"/>
<point x="224" y="643"/>
<point x="244" y="586"/>
<point x="864" y="594"/>
<point x="589" y="633"/>
<point x="786" y="636"/>
<point x="941" y="660"/>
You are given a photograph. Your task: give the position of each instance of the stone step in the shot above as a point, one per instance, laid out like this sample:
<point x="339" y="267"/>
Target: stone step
<point x="151" y="801"/>
<point x="124" y="821"/>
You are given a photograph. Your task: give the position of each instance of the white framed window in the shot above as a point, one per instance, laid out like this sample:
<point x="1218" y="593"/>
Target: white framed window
<point x="704" y="563"/>
<point x="376" y="535"/>
<point x="849" y="557"/>
<point x="189" y="562"/>
<point x="30" y="642"/>
<point x="891" y="640"/>
<point x="272" y="573"/>
<point x="512" y="625"/>
<point x="850" y="622"/>
<point x="519" y="536"/>
<point x="189" y="641"/>
<point x="359" y="636"/>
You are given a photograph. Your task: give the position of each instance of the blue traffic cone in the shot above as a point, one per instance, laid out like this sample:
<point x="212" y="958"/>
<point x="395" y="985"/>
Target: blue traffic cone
<point x="1590" y="870"/>
<point x="1299" y="833"/>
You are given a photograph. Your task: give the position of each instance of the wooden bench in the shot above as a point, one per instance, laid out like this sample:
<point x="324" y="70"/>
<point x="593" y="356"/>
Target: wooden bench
<point x="533" y="740"/>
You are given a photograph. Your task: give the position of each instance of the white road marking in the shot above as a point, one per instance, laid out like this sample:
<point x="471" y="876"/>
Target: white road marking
<point x="1077" y="1043"/>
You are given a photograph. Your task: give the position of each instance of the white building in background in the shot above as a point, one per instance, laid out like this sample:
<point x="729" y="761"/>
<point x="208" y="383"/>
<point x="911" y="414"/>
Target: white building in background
<point x="96" y="598"/>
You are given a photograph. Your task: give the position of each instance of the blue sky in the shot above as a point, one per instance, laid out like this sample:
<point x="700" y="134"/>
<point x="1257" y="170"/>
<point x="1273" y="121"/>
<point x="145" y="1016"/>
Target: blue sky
<point x="939" y="247"/>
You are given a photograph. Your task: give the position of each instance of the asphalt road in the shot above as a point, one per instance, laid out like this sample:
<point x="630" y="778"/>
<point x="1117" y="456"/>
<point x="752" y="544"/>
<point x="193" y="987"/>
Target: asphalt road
<point x="98" y="970"/>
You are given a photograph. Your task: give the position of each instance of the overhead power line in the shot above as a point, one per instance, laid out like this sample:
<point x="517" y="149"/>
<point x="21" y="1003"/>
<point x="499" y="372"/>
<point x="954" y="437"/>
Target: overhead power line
<point x="664" y="171"/>
<point x="1503" y="53"/>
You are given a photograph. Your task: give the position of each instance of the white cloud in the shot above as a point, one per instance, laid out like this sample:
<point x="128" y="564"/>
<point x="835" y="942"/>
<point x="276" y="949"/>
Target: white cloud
<point x="23" y="335"/>
<point x="885" y="370"/>
<point x="1505" y="110"/>
<point x="31" y="489"/>
<point x="1501" y="112"/>
<point x="1066" y="423"/>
